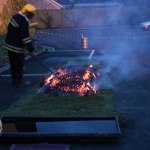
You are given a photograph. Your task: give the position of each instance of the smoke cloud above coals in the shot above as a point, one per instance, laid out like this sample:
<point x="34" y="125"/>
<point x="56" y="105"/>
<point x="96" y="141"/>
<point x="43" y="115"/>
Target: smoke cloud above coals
<point x="124" y="49"/>
<point x="123" y="59"/>
<point x="125" y="56"/>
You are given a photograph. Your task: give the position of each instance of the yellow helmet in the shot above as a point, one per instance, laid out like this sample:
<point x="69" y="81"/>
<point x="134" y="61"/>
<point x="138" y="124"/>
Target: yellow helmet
<point x="29" y="7"/>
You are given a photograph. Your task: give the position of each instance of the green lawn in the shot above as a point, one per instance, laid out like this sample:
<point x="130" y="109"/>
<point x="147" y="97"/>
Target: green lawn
<point x="45" y="105"/>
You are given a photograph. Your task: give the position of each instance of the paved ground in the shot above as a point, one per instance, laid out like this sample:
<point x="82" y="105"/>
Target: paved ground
<point x="131" y="82"/>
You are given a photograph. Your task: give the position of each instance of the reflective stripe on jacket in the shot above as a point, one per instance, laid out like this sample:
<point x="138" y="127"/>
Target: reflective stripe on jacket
<point x="13" y="48"/>
<point x="14" y="23"/>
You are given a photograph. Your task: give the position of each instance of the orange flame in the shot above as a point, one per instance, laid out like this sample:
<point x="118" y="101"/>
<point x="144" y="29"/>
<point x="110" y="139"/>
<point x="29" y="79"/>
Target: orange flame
<point x="63" y="85"/>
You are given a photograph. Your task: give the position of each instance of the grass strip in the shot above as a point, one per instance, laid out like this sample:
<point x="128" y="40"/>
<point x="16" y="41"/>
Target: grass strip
<point x="45" y="105"/>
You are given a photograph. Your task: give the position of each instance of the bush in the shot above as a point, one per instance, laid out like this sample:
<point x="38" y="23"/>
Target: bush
<point x="9" y="9"/>
<point x="3" y="52"/>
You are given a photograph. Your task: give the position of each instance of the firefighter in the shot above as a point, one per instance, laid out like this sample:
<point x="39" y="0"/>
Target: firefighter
<point x="18" y="41"/>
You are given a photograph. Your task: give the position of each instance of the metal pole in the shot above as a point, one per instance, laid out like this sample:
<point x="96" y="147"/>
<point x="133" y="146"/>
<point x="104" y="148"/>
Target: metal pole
<point x="43" y="64"/>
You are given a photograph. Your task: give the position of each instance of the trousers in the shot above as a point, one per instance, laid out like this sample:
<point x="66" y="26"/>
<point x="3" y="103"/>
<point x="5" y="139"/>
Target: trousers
<point x="17" y="62"/>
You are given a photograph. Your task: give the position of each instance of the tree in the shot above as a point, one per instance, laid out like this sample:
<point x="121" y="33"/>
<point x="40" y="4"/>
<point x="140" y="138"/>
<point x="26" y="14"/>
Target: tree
<point x="9" y="9"/>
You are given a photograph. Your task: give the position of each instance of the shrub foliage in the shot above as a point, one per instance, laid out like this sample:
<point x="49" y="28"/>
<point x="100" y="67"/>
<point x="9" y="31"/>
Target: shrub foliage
<point x="10" y="8"/>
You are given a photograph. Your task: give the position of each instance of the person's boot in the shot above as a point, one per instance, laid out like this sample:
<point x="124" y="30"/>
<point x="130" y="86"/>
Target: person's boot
<point x="22" y="84"/>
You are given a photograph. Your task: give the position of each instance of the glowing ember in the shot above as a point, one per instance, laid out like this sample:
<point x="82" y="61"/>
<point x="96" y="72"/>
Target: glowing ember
<point x="72" y="81"/>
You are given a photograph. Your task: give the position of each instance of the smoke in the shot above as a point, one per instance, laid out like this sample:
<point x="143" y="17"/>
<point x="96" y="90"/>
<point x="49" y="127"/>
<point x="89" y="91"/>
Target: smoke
<point x="134" y="12"/>
<point x="123" y="60"/>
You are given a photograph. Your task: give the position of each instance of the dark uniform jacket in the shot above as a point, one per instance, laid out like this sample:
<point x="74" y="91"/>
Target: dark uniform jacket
<point x="18" y="38"/>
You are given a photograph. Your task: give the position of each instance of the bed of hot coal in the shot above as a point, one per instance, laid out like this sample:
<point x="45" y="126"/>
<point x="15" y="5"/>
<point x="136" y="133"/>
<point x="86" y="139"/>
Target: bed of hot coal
<point x="71" y="81"/>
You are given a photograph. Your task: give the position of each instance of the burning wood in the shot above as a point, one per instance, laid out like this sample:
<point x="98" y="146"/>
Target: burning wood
<point x="72" y="80"/>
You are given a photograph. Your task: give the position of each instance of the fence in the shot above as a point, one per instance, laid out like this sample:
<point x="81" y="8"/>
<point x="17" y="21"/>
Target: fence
<point x="79" y="17"/>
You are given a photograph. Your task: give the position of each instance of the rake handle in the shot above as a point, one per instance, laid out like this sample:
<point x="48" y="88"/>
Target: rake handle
<point x="43" y="64"/>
